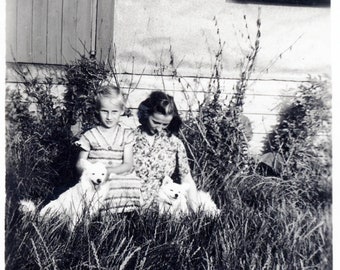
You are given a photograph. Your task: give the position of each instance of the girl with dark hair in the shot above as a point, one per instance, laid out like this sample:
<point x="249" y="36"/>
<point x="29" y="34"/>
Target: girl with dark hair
<point x="163" y="106"/>
<point x="157" y="151"/>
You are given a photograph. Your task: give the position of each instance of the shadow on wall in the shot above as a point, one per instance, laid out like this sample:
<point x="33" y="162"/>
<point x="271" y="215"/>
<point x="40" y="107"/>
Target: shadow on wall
<point x="316" y="3"/>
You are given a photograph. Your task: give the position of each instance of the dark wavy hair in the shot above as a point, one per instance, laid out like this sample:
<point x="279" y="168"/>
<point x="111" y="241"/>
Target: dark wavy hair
<point x="159" y="102"/>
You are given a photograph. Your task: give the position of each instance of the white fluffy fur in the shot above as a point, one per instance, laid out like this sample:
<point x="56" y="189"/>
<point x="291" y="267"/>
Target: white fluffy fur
<point x="172" y="198"/>
<point x="180" y="199"/>
<point x="85" y="197"/>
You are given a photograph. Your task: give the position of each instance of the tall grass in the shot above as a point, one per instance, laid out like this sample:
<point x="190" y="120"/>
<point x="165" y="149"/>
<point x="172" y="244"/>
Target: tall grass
<point x="273" y="233"/>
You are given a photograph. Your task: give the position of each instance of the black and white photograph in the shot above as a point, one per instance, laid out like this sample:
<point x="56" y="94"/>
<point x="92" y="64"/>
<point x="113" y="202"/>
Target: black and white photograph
<point x="155" y="135"/>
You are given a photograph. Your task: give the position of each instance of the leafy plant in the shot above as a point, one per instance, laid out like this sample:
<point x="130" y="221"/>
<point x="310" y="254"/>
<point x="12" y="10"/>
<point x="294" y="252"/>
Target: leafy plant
<point x="299" y="147"/>
<point x="302" y="120"/>
<point x="216" y="135"/>
<point x="83" y="78"/>
<point x="38" y="138"/>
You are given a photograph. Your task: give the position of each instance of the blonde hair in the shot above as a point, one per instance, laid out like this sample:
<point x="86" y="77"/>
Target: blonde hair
<point x="109" y="91"/>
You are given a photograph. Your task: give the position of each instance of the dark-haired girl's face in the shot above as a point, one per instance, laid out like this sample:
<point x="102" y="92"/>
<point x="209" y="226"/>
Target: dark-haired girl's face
<point x="158" y="122"/>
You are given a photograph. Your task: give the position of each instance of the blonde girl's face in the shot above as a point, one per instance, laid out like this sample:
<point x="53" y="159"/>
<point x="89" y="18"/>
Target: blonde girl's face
<point x="109" y="112"/>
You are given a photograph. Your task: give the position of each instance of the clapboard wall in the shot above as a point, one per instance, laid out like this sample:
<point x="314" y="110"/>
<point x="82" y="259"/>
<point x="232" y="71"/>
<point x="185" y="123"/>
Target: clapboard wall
<point x="56" y="31"/>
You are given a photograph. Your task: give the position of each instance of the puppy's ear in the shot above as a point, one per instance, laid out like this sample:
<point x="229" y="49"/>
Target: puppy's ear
<point x="167" y="180"/>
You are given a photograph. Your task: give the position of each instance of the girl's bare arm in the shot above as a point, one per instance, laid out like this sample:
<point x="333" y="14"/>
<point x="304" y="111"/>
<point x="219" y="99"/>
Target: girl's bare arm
<point x="127" y="165"/>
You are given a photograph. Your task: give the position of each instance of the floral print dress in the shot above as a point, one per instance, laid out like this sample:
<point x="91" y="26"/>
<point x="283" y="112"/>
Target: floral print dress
<point x="154" y="162"/>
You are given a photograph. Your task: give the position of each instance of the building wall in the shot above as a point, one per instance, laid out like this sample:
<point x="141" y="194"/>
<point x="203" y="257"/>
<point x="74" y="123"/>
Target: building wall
<point x="56" y="31"/>
<point x="158" y="37"/>
<point x="155" y="38"/>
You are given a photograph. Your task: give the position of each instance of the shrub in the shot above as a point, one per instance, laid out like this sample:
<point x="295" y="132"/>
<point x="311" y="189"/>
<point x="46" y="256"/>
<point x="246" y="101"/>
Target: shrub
<point x="216" y="137"/>
<point x="38" y="144"/>
<point x="301" y="144"/>
<point x="83" y="77"/>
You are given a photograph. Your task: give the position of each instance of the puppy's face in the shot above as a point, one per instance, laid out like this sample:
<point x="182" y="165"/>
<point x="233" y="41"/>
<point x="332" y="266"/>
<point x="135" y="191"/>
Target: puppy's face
<point x="97" y="173"/>
<point x="169" y="191"/>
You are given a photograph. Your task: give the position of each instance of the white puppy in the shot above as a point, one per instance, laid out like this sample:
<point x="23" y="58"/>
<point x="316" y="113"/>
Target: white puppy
<point x="179" y="199"/>
<point x="83" y="198"/>
<point x="172" y="198"/>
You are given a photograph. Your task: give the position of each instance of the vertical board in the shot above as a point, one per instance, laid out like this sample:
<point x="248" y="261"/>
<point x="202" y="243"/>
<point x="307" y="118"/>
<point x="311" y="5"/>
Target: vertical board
<point x="83" y="26"/>
<point x="39" y="31"/>
<point x="54" y="31"/>
<point x="69" y="31"/>
<point x="105" y="28"/>
<point x="11" y="28"/>
<point x="24" y="30"/>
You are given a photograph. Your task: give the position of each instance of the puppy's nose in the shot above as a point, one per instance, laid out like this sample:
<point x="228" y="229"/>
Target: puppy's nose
<point x="99" y="181"/>
<point x="176" y="196"/>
